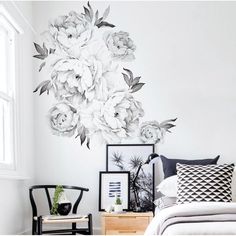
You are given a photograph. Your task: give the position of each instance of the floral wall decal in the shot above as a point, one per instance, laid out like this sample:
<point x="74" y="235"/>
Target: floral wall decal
<point x="84" y="56"/>
<point x="154" y="132"/>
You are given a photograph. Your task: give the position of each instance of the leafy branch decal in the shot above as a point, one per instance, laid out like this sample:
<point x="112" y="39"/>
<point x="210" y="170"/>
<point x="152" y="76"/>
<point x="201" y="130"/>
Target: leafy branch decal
<point x="98" y="21"/>
<point x="43" y="53"/>
<point x="132" y="82"/>
<point x="167" y="124"/>
<point x="44" y="86"/>
<point x="81" y="132"/>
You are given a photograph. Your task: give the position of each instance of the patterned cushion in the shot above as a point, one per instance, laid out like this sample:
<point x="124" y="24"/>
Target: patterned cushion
<point x="198" y="183"/>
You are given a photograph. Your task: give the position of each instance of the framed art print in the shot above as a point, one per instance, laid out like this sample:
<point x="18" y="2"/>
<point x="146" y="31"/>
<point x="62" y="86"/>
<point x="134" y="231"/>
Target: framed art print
<point x="128" y="157"/>
<point x="114" y="184"/>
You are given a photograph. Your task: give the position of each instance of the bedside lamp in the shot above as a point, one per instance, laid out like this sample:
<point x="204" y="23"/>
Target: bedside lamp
<point x="149" y="160"/>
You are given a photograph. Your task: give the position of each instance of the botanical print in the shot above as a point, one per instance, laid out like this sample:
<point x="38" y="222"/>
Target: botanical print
<point x="129" y="158"/>
<point x="94" y="93"/>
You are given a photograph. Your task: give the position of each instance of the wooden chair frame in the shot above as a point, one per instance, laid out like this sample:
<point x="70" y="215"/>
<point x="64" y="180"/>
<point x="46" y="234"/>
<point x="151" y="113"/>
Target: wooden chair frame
<point x="37" y="221"/>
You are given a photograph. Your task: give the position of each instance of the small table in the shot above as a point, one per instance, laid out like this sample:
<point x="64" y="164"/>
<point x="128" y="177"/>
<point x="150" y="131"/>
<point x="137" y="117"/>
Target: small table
<point x="125" y="223"/>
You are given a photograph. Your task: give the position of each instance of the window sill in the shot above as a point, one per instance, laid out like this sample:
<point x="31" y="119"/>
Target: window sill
<point x="14" y="177"/>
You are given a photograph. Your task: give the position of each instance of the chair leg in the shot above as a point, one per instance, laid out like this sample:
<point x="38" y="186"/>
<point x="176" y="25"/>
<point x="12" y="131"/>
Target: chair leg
<point x="34" y="227"/>
<point x="73" y="227"/>
<point x="39" y="225"/>
<point x="90" y="224"/>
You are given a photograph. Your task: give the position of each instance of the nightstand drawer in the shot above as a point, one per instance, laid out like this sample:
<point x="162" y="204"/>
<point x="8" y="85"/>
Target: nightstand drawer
<point x="129" y="223"/>
<point x="125" y="232"/>
<point x="125" y="223"/>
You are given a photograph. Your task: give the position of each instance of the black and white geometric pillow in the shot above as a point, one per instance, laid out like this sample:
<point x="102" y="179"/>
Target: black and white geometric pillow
<point x="198" y="183"/>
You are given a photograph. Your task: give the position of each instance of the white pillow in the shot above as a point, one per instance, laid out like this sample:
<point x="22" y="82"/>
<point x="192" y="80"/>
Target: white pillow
<point x="168" y="186"/>
<point x="233" y="186"/>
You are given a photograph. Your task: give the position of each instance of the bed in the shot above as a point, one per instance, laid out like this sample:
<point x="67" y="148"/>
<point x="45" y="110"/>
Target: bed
<point x="196" y="200"/>
<point x="198" y="218"/>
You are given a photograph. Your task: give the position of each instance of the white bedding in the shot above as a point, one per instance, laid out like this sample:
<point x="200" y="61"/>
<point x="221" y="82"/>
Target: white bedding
<point x="202" y="218"/>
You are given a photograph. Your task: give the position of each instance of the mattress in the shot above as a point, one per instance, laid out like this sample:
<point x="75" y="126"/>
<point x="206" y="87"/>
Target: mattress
<point x="199" y="218"/>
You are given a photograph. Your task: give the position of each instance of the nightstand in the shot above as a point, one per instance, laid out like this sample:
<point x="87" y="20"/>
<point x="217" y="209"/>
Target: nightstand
<point x="125" y="223"/>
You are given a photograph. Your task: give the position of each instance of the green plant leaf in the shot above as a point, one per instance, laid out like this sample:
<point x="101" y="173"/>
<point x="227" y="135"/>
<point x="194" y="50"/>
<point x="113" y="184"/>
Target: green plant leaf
<point x="57" y="194"/>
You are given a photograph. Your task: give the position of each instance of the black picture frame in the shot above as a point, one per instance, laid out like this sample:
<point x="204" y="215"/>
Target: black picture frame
<point x="100" y="204"/>
<point x="147" y="206"/>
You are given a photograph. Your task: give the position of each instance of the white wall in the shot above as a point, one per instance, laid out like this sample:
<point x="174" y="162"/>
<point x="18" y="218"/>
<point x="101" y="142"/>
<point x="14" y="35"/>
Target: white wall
<point x="14" y="201"/>
<point x="186" y="54"/>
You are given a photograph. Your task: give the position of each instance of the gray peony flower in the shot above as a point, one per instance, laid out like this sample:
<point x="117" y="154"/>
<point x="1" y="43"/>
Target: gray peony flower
<point x="120" y="45"/>
<point x="153" y="132"/>
<point x="63" y="119"/>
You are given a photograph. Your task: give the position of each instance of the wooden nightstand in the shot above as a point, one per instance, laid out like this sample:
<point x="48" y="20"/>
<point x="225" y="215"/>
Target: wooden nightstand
<point x="125" y="223"/>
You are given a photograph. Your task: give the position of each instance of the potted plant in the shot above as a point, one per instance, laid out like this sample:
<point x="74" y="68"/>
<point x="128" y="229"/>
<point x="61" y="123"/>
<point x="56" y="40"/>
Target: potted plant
<point x="118" y="205"/>
<point x="61" y="205"/>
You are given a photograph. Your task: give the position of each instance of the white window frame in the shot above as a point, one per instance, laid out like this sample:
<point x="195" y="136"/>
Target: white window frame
<point x="12" y="96"/>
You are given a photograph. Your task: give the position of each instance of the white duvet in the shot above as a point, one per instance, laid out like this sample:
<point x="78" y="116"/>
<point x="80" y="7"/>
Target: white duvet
<point x="201" y="218"/>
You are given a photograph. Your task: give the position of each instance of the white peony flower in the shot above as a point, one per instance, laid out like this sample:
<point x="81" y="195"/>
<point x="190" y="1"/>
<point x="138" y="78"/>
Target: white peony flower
<point x="151" y="132"/>
<point x="120" y="45"/>
<point x="63" y="119"/>
<point x="115" y="119"/>
<point x="70" y="31"/>
<point x="84" y="77"/>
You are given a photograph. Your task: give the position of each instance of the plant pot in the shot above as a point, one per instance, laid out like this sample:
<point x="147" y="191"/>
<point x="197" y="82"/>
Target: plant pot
<point x="64" y="208"/>
<point x="118" y="208"/>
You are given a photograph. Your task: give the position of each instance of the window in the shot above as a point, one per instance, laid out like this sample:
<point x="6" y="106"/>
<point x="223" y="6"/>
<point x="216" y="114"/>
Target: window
<point x="7" y="92"/>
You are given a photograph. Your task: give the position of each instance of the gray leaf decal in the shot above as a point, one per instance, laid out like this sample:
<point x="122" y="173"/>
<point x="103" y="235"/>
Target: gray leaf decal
<point x="41" y="57"/>
<point x="137" y="87"/>
<point x="127" y="79"/>
<point x="41" y="66"/>
<point x="136" y="80"/>
<point x="130" y="73"/>
<point x="43" y="89"/>
<point x="82" y="137"/>
<point x="41" y="84"/>
<point x="106" y="13"/>
<point x="39" y="49"/>
<point x="104" y="23"/>
<point x="96" y="16"/>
